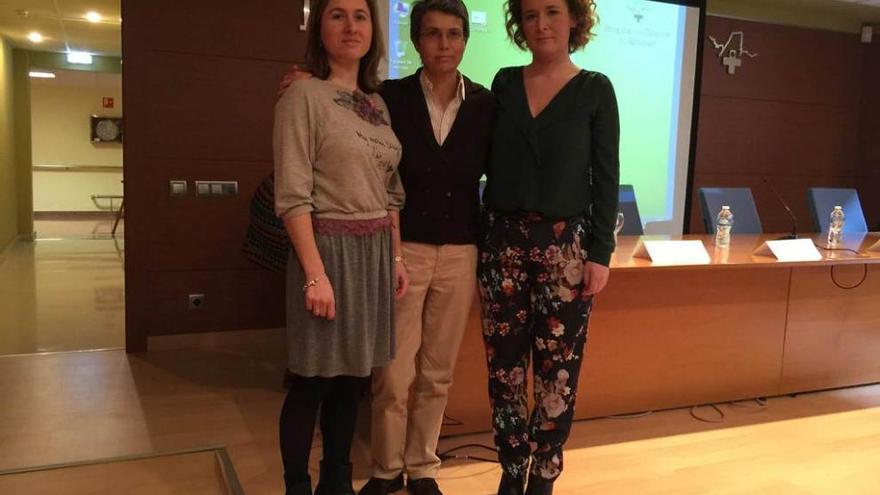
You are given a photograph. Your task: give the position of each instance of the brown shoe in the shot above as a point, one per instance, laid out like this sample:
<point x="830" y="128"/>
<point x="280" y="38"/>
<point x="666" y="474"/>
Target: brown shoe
<point x="381" y="486"/>
<point x="423" y="486"/>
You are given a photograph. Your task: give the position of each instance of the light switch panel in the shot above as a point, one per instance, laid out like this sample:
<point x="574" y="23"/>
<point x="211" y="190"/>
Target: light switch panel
<point x="178" y="187"/>
<point x="216" y="187"/>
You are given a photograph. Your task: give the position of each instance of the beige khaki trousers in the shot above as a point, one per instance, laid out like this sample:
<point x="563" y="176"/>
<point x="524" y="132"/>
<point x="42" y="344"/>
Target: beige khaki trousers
<point x="410" y="394"/>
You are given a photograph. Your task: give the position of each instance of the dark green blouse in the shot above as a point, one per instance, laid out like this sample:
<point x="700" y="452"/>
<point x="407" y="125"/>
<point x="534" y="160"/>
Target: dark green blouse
<point x="562" y="163"/>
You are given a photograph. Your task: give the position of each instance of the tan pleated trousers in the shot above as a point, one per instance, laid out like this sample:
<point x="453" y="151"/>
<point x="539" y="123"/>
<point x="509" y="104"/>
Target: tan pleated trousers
<point x="410" y="394"/>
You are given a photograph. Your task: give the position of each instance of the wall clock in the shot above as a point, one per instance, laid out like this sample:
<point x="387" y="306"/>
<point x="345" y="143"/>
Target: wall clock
<point x="106" y="129"/>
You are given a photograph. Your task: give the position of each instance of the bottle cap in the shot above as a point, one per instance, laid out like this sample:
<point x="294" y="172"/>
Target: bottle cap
<point x="725" y="207"/>
<point x="838" y="207"/>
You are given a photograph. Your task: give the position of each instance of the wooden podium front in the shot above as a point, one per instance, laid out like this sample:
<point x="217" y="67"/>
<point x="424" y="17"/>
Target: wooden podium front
<point x="741" y="327"/>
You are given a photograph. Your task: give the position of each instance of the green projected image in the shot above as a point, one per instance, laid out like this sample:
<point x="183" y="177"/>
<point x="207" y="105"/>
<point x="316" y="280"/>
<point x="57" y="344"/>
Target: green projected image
<point x="639" y="45"/>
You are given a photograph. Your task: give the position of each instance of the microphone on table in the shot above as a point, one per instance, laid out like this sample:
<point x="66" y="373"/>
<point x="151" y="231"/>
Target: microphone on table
<point x="793" y="234"/>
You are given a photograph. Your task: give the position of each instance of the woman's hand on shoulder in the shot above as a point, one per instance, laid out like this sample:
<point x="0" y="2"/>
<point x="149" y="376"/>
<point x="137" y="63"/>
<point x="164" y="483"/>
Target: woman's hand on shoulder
<point x="296" y="73"/>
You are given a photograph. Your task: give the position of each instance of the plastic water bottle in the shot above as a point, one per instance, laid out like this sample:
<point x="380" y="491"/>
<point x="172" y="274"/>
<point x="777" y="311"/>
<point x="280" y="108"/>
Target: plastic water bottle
<point x="723" y="226"/>
<point x="835" y="226"/>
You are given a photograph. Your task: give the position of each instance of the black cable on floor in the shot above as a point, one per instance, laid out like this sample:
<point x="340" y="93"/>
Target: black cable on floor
<point x="448" y="454"/>
<point x="760" y="401"/>
<point x="696" y="416"/>
<point x="630" y="416"/>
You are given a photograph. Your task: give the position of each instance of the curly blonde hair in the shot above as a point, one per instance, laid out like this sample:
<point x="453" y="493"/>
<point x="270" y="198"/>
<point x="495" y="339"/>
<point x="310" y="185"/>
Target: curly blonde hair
<point x="582" y="11"/>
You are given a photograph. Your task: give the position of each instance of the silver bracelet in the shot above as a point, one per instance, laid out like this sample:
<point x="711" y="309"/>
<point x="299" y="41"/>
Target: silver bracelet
<point x="313" y="282"/>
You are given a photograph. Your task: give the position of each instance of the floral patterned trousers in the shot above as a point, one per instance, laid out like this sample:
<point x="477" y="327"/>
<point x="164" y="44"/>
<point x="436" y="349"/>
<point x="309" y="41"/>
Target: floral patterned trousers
<point x="531" y="276"/>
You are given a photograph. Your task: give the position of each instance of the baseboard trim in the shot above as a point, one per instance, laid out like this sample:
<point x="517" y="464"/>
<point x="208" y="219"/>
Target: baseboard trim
<point x="19" y="238"/>
<point x="5" y="249"/>
<point x="74" y="215"/>
<point x="216" y="339"/>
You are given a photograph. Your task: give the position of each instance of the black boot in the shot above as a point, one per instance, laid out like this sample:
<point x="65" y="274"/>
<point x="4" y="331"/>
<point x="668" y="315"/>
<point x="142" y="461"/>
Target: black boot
<point x="298" y="488"/>
<point x="510" y="485"/>
<point x="335" y="479"/>
<point x="539" y="486"/>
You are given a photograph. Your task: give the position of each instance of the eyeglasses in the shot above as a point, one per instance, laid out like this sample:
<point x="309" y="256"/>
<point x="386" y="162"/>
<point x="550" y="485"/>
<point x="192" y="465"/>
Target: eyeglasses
<point x="435" y="35"/>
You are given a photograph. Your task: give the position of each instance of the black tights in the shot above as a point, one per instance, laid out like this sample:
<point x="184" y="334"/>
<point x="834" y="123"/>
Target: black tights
<point x="338" y="399"/>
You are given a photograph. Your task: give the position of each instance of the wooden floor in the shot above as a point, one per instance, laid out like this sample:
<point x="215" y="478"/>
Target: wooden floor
<point x="197" y="473"/>
<point x="62" y="295"/>
<point x="72" y="407"/>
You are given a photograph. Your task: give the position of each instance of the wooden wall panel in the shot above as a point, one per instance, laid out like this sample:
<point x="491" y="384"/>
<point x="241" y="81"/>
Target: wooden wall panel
<point x="870" y="132"/>
<point x="192" y="233"/>
<point x="833" y="333"/>
<point x="265" y="30"/>
<point x="793" y="114"/>
<point x="797" y="65"/>
<point x="235" y="300"/>
<point x="683" y="338"/>
<point x="755" y="137"/>
<point x="869" y="170"/>
<point x="201" y="77"/>
<point x="213" y="108"/>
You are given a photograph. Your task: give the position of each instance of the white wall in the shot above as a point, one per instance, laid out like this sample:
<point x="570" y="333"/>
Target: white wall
<point x="60" y="111"/>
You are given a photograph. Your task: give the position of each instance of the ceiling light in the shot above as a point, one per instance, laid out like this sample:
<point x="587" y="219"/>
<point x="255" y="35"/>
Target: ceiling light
<point x="41" y="75"/>
<point x="93" y="17"/>
<point x="35" y="37"/>
<point x="79" y="58"/>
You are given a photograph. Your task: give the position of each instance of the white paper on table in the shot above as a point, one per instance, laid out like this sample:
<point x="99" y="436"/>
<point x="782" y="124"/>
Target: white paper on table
<point x="673" y="252"/>
<point x="790" y="250"/>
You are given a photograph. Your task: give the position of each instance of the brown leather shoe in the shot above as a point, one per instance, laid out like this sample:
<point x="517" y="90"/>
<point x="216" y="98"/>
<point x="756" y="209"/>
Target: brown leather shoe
<point x="381" y="486"/>
<point x="423" y="486"/>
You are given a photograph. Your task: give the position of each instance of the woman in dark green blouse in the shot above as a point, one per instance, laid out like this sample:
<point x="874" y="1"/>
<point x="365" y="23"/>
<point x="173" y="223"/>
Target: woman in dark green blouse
<point x="551" y="202"/>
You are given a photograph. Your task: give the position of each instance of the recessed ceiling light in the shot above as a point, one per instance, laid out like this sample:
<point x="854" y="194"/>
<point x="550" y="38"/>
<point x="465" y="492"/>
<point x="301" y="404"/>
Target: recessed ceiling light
<point x="93" y="16"/>
<point x="79" y="58"/>
<point x="41" y="75"/>
<point x="35" y="37"/>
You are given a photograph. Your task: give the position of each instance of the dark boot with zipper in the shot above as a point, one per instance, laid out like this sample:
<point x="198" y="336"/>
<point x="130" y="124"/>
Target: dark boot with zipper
<point x="510" y="485"/>
<point x="335" y="479"/>
<point x="539" y="486"/>
<point x="303" y="487"/>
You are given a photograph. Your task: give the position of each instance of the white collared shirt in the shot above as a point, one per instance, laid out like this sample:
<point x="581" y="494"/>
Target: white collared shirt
<point x="442" y="120"/>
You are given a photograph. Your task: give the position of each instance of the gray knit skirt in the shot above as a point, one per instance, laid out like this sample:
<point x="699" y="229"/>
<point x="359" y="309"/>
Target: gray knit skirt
<point x="359" y="264"/>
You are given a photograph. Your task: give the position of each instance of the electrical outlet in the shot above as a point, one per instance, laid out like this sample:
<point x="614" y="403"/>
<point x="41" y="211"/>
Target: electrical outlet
<point x="196" y="301"/>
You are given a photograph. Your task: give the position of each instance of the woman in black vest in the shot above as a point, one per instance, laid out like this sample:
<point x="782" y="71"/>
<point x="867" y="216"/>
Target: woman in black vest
<point x="547" y="241"/>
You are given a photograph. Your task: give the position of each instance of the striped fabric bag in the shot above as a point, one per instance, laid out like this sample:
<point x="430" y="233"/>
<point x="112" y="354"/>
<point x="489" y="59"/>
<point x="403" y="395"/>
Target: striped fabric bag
<point x="266" y="243"/>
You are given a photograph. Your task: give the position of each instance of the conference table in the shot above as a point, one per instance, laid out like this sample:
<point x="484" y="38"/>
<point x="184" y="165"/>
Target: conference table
<point x="742" y="326"/>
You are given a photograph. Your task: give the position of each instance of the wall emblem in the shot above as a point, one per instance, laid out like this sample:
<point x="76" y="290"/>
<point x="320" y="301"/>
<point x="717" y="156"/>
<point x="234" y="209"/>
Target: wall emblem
<point x="732" y="52"/>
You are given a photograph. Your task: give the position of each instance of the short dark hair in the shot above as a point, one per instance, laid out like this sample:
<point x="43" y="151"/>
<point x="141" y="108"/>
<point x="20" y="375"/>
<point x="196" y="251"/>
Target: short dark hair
<point x="582" y="11"/>
<point x="455" y="8"/>
<point x="316" y="57"/>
